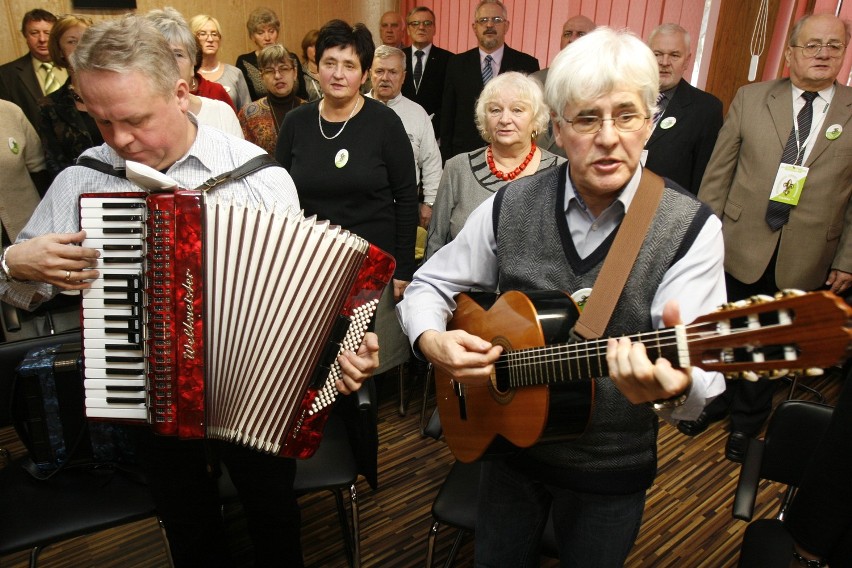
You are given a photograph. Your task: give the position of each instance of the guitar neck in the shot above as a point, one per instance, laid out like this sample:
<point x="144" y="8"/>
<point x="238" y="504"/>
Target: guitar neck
<point x="586" y="360"/>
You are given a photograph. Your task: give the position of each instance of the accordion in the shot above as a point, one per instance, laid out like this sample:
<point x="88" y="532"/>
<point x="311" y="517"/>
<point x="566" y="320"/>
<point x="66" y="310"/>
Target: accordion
<point x="217" y="320"/>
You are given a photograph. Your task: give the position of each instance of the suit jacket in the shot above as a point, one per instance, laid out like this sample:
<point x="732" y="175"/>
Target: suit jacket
<point x="431" y="85"/>
<point x="681" y="152"/>
<point x="739" y="177"/>
<point x="20" y="85"/>
<point x="461" y="89"/>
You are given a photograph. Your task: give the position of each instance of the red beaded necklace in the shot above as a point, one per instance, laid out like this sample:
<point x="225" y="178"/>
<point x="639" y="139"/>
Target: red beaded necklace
<point x="514" y="173"/>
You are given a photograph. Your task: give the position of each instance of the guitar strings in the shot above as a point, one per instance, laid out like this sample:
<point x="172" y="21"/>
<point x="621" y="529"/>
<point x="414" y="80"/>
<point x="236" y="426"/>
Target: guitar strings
<point x="660" y="339"/>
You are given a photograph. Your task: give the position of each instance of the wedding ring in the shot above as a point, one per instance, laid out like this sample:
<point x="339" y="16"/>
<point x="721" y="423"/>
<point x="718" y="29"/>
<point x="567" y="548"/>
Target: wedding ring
<point x="67" y="275"/>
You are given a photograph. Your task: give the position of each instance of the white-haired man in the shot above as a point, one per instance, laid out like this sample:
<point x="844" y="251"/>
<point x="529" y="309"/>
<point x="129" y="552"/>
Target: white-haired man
<point x="594" y="485"/>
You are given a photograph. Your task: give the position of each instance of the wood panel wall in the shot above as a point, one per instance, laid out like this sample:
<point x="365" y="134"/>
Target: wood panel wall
<point x="297" y="18"/>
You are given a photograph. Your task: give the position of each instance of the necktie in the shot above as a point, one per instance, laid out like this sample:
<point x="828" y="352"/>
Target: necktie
<point x="50" y="82"/>
<point x="418" y="69"/>
<point x="660" y="98"/>
<point x="777" y="214"/>
<point x="487" y="72"/>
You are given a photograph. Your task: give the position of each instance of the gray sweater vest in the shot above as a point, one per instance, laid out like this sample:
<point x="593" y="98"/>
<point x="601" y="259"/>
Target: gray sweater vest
<point x="617" y="452"/>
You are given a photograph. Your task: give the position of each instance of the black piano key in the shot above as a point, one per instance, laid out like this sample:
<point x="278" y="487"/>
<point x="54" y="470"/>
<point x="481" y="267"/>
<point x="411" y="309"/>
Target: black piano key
<point x="122" y="218"/>
<point x="124" y="388"/>
<point x="122" y="346"/>
<point x="108" y="246"/>
<point x="120" y="400"/>
<point x="125" y="372"/>
<point x="122" y="259"/>
<point x="124" y="359"/>
<point x="134" y="205"/>
<point x="122" y="230"/>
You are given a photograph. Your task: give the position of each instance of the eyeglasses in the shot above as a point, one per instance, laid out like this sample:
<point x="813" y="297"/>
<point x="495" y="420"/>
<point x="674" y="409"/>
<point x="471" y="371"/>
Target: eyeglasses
<point x="418" y="23"/>
<point x="280" y="70"/>
<point x="496" y="20"/>
<point x="813" y="49"/>
<point x="627" y="122"/>
<point x="205" y="35"/>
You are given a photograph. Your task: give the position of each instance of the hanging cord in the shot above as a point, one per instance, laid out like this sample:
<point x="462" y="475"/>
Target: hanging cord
<point x="758" y="38"/>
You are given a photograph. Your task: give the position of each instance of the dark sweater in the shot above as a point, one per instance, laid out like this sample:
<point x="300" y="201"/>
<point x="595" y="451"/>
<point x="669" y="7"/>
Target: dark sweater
<point x="374" y="193"/>
<point x="617" y="452"/>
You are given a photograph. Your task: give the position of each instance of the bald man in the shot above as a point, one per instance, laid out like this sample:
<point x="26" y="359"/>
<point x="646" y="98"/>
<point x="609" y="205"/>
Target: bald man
<point x="573" y="29"/>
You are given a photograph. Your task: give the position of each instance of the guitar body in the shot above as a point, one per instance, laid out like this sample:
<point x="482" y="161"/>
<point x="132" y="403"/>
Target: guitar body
<point x="495" y="418"/>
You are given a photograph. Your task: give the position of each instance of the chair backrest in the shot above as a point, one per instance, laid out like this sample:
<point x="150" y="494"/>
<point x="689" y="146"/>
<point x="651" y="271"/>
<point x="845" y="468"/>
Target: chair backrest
<point x="794" y="430"/>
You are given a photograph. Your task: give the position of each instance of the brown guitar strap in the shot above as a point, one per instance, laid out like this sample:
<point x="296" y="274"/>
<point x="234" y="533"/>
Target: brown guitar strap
<point x="619" y="262"/>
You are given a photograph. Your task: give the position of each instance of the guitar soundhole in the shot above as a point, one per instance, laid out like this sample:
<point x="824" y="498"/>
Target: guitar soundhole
<point x="500" y="387"/>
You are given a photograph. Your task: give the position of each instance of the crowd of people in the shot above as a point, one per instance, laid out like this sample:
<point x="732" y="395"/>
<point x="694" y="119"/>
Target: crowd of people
<point x="520" y="178"/>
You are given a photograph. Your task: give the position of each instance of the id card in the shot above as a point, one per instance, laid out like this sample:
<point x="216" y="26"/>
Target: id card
<point x="789" y="183"/>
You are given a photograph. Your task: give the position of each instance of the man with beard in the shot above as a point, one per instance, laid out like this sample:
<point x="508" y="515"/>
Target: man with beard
<point x="468" y="72"/>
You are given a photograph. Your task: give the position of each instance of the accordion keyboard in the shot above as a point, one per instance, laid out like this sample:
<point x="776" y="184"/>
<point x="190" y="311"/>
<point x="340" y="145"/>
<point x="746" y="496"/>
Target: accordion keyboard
<point x="113" y="342"/>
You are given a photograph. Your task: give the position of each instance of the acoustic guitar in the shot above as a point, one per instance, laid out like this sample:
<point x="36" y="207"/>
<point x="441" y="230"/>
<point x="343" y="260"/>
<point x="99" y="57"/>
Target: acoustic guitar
<point x="541" y="368"/>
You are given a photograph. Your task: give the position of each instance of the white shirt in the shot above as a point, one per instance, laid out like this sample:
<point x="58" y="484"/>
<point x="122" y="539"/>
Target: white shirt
<point x="820" y="106"/>
<point x="470" y="261"/>
<point x="212" y="153"/>
<point x="219" y="114"/>
<point x="427" y="154"/>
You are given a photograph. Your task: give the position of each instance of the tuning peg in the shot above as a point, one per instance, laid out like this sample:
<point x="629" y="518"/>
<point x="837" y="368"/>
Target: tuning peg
<point x="760" y="299"/>
<point x="788" y="293"/>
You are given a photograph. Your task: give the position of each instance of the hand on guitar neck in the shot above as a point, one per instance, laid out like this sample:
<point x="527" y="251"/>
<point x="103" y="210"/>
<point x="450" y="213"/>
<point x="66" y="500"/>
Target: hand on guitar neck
<point x="469" y="359"/>
<point x="640" y="380"/>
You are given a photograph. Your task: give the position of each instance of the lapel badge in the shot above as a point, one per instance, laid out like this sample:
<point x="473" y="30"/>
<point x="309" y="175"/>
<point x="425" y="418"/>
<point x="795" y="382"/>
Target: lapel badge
<point x="833" y="132"/>
<point x="668" y="122"/>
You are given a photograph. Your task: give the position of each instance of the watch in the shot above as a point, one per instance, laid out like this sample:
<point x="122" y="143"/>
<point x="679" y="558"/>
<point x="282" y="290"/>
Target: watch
<point x="5" y="276"/>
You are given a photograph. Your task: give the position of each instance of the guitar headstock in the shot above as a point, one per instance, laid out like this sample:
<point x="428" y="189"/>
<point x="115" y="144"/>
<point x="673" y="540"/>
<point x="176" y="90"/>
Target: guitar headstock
<point x="765" y="336"/>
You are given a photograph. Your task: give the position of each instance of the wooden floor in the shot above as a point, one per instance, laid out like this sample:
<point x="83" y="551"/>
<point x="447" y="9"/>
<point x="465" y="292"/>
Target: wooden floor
<point x="687" y="523"/>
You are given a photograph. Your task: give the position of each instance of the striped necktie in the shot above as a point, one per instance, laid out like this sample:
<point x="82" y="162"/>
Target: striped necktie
<point x="418" y="69"/>
<point x="660" y="98"/>
<point x="777" y="214"/>
<point x="487" y="72"/>
<point x="50" y="82"/>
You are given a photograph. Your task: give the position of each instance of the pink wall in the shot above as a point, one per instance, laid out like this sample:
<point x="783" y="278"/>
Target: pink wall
<point x="535" y="25"/>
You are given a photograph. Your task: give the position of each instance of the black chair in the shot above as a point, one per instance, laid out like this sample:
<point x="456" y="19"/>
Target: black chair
<point x="334" y="468"/>
<point x="782" y="457"/>
<point x="455" y="505"/>
<point x="78" y="501"/>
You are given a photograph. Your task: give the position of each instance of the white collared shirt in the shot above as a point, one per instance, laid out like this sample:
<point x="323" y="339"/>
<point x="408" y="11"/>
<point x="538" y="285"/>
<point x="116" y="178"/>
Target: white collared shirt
<point x="820" y="106"/>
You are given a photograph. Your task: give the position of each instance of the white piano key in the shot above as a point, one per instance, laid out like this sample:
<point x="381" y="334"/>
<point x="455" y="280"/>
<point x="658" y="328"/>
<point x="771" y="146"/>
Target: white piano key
<point x="103" y="373"/>
<point x="118" y="413"/>
<point x="118" y="342"/>
<point x="100" y="233"/>
<point x="98" y="397"/>
<point x="91" y="331"/>
<point x="98" y="202"/>
<point x="100" y="223"/>
<point x="119" y="311"/>
<point x="101" y="363"/>
<point x="104" y="353"/>
<point x="106" y="383"/>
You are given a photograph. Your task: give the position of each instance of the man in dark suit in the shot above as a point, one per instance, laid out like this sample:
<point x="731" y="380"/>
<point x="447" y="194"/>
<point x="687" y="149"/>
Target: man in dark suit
<point x="795" y="130"/>
<point x="468" y="72"/>
<point x="27" y="79"/>
<point x="427" y="89"/>
<point x="688" y="119"/>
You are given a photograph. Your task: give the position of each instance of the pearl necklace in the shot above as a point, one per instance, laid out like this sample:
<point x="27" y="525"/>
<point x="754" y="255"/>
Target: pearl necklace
<point x="514" y="173"/>
<point x="339" y="132"/>
<point x="208" y="71"/>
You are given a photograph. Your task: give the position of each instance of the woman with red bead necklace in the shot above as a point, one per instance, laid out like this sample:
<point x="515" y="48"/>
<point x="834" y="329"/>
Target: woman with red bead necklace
<point x="510" y="113"/>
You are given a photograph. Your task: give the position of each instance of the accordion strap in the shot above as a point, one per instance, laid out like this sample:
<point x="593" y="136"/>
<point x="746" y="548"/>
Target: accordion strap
<point x="255" y="164"/>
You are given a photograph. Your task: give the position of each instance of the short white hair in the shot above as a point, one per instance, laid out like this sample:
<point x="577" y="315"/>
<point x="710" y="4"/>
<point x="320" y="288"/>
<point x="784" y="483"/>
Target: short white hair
<point x="597" y="64"/>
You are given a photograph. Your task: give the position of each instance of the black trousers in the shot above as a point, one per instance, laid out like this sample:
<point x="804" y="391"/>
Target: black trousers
<point x="182" y="475"/>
